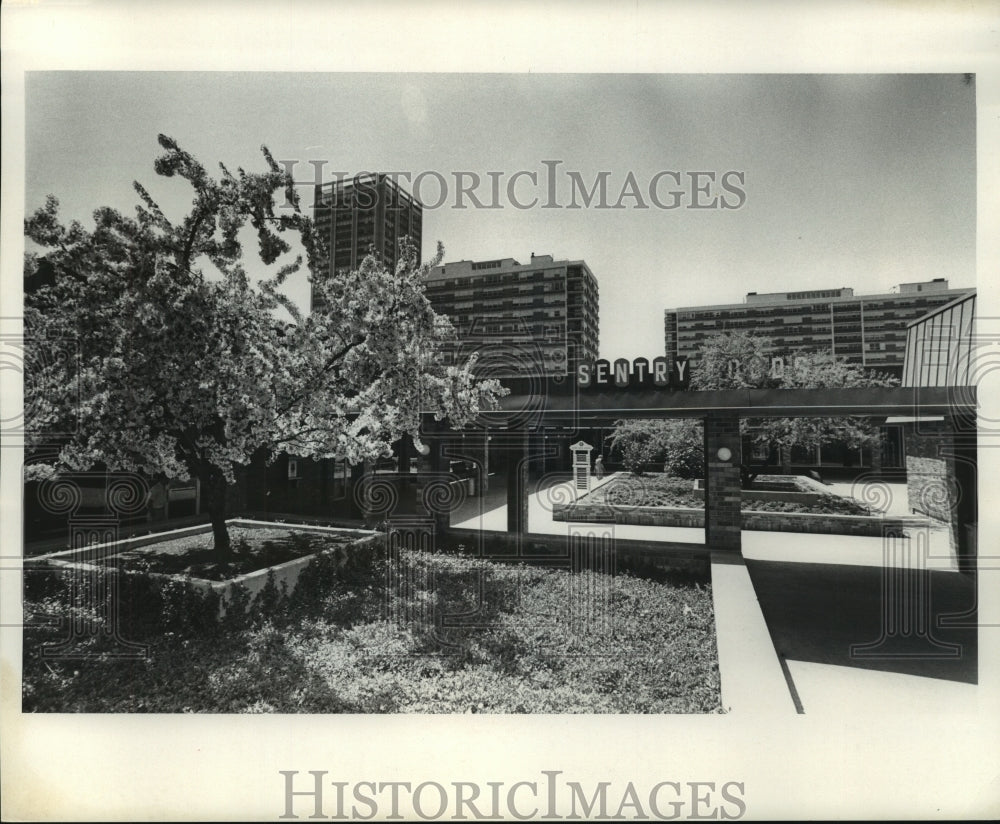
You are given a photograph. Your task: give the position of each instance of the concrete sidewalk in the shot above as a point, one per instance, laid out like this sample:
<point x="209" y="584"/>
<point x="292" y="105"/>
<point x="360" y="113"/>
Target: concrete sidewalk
<point x="753" y="679"/>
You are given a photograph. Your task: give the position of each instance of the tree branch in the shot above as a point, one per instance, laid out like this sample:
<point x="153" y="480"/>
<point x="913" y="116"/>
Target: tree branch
<point x="325" y="369"/>
<point x="189" y="245"/>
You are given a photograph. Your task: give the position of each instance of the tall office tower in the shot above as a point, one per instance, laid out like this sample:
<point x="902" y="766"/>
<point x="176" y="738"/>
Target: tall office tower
<point x="363" y="214"/>
<point x="865" y="329"/>
<point x="533" y="316"/>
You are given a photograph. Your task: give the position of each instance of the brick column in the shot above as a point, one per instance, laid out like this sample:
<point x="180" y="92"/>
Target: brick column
<point x="439" y="466"/>
<point x="722" y="481"/>
<point x="484" y="485"/>
<point x="403" y="453"/>
<point x="517" y="486"/>
<point x="405" y="484"/>
<point x="964" y="483"/>
<point x="358" y="471"/>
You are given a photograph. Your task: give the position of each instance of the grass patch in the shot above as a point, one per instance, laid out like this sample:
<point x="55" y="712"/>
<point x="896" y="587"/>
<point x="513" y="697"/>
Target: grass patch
<point x="426" y="633"/>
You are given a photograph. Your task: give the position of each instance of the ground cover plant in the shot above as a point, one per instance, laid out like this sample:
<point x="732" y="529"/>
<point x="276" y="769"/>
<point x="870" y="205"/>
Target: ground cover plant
<point x="667" y="491"/>
<point x="415" y="632"/>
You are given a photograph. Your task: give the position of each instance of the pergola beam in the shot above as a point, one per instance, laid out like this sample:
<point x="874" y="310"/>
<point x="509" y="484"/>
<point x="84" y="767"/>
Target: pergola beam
<point x="875" y="402"/>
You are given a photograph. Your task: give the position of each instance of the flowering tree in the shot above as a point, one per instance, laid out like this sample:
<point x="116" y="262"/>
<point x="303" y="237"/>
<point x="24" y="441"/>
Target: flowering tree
<point x="739" y="360"/>
<point x="639" y="442"/>
<point x="733" y="360"/>
<point x="821" y="370"/>
<point x="184" y="368"/>
<point x="677" y="443"/>
<point x="683" y="443"/>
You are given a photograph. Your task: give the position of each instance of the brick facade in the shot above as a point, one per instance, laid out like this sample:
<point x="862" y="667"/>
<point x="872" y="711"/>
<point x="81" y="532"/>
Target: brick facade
<point x="929" y="486"/>
<point x="941" y="479"/>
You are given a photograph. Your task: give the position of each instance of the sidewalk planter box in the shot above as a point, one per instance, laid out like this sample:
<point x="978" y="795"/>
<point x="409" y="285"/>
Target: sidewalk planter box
<point x="285" y="575"/>
<point x="825" y="524"/>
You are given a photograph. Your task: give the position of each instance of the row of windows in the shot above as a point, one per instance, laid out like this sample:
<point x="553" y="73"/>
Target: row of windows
<point x="829" y="293"/>
<point x="548" y="333"/>
<point x="518" y="327"/>
<point x="342" y="221"/>
<point x="521" y="306"/>
<point x="436" y="291"/>
<point x="911" y="305"/>
<point x="820" y="324"/>
<point x="495" y="312"/>
<point x="509" y="279"/>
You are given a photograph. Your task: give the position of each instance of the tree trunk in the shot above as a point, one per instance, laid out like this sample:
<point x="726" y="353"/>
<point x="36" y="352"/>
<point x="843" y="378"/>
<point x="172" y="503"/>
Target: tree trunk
<point x="217" y="487"/>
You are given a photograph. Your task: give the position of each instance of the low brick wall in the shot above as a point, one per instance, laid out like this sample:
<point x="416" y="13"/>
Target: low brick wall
<point x="649" y="558"/>
<point x="79" y="561"/>
<point x="872" y="526"/>
<point x="769" y="495"/>
<point x="774" y="495"/>
<point x="760" y="521"/>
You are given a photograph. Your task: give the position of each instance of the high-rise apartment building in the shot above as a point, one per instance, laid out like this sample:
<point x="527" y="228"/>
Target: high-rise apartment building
<point x="537" y="314"/>
<point x="363" y="214"/>
<point x="866" y="329"/>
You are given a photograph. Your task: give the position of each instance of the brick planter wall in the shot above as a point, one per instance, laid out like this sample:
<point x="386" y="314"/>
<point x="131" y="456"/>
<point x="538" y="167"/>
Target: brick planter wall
<point x="75" y="562"/>
<point x="762" y="521"/>
<point x="767" y="495"/>
<point x="638" y="557"/>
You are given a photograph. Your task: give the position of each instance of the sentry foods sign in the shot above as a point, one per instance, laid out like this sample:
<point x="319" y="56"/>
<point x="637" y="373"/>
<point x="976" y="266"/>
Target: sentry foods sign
<point x="661" y="373"/>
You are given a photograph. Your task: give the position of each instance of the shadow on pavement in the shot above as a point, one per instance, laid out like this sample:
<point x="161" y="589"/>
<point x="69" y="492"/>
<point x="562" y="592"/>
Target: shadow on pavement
<point x="846" y="616"/>
<point x="478" y="505"/>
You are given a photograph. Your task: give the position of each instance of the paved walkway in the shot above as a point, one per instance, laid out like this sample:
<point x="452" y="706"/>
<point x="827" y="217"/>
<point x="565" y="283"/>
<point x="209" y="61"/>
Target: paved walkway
<point x="930" y="550"/>
<point x="541" y="502"/>
<point x="890" y="498"/>
<point x="753" y="679"/>
<point x="825" y="623"/>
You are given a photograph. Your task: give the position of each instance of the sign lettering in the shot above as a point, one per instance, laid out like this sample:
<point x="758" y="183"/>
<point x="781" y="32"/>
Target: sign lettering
<point x="639" y="374"/>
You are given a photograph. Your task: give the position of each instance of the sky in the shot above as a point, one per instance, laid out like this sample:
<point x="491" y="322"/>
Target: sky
<point x="865" y="181"/>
